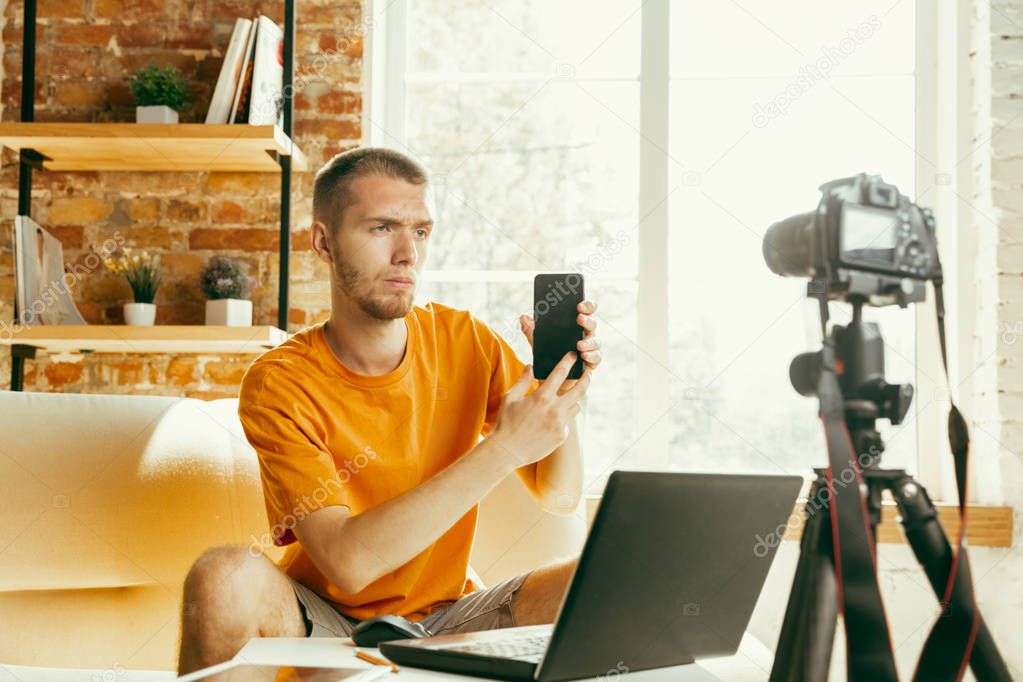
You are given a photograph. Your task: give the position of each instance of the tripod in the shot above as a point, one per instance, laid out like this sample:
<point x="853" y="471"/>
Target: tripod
<point x="808" y="629"/>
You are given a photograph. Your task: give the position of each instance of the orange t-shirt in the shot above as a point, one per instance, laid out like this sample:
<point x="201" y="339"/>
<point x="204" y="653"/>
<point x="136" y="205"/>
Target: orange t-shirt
<point x="328" y="436"/>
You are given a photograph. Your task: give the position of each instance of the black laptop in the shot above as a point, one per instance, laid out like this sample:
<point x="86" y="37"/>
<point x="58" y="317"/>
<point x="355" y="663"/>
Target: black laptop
<point x="670" y="573"/>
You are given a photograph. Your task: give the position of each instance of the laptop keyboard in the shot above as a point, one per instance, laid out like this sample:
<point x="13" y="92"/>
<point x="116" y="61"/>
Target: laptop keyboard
<point x="529" y="648"/>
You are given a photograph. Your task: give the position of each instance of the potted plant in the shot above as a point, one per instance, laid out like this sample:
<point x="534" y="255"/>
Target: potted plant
<point x="143" y="274"/>
<point x="225" y="285"/>
<point x="158" y="93"/>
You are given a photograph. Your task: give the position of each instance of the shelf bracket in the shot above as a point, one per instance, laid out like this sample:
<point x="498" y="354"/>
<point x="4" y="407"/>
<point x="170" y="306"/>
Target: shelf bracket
<point x="32" y="158"/>
<point x="19" y="353"/>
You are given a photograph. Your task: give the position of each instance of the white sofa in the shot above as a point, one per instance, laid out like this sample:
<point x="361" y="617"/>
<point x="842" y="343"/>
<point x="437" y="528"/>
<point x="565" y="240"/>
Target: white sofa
<point x="107" y="499"/>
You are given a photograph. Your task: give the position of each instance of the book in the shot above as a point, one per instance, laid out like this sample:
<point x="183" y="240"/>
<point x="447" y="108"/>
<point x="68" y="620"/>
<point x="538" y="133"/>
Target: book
<point x="266" y="101"/>
<point x="227" y="81"/>
<point x="43" y="296"/>
<point x="239" y="106"/>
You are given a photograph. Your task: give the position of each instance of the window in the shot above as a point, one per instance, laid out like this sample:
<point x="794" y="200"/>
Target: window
<point x="557" y="143"/>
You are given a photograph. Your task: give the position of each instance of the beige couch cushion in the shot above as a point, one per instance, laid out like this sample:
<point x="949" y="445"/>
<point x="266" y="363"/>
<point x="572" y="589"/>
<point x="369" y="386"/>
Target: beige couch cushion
<point x="107" y="500"/>
<point x="104" y="491"/>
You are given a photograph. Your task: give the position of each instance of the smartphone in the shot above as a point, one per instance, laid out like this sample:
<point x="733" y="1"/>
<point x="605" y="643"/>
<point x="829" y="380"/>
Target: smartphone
<point x="556" y="299"/>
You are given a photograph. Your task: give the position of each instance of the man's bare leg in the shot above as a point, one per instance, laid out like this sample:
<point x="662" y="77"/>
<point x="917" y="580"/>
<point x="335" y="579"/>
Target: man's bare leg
<point x="231" y="596"/>
<point x="540" y="595"/>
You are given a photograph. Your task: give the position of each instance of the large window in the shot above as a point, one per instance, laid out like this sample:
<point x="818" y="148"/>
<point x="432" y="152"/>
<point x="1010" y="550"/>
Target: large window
<point x="649" y="145"/>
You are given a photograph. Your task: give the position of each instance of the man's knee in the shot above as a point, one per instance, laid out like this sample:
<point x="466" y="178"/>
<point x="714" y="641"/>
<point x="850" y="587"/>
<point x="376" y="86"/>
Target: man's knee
<point x="221" y="576"/>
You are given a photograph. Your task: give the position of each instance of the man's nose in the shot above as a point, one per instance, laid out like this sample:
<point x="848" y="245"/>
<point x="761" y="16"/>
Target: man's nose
<point x="406" y="251"/>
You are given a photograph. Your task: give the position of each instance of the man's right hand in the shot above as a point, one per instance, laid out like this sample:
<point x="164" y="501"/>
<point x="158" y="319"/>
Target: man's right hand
<point x="528" y="428"/>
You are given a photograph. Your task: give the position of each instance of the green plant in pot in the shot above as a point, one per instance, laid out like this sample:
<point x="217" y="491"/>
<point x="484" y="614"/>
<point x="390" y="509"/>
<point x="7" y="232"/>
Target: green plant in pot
<point x="142" y="270"/>
<point x="159" y="93"/>
<point x="225" y="285"/>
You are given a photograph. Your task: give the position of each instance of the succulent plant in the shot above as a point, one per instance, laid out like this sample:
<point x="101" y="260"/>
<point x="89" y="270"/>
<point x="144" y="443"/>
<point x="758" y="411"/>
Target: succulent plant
<point x="223" y="278"/>
<point x="152" y="85"/>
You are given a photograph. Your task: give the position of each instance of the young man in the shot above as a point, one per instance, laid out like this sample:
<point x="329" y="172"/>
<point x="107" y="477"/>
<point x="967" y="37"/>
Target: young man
<point x="367" y="430"/>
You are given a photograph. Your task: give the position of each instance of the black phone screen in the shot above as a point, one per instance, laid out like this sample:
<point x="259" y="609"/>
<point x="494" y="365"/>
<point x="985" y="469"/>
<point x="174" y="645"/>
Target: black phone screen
<point x="556" y="299"/>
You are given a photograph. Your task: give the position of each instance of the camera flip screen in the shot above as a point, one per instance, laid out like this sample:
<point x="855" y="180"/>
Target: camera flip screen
<point x="867" y="234"/>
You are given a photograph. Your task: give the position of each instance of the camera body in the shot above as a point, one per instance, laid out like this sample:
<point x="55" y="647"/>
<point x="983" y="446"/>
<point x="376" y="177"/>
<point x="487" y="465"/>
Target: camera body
<point x="865" y="241"/>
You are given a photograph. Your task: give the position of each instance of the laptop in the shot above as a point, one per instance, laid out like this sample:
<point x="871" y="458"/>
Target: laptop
<point x="670" y="572"/>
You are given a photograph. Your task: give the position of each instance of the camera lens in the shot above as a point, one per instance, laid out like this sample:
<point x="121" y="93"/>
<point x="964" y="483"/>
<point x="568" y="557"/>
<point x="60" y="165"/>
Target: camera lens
<point x="789" y="244"/>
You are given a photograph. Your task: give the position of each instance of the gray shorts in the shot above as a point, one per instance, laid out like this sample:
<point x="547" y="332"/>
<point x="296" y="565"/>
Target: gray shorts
<point x="485" y="609"/>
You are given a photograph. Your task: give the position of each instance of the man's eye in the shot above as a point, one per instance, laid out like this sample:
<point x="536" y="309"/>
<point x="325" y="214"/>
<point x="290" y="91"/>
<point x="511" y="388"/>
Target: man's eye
<point x="380" y="227"/>
<point x="426" y="233"/>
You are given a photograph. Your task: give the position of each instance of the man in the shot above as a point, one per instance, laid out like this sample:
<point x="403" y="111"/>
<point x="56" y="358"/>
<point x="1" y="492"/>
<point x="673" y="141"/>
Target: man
<point x="367" y="428"/>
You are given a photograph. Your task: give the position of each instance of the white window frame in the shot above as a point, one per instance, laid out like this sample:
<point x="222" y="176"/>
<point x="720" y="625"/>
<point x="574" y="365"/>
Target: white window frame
<point x="942" y="133"/>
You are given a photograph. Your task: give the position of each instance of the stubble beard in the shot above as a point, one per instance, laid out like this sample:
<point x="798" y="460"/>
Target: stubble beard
<point x="366" y="294"/>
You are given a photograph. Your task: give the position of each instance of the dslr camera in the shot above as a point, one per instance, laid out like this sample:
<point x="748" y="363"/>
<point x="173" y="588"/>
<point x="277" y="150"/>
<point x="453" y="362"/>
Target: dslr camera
<point x="865" y="242"/>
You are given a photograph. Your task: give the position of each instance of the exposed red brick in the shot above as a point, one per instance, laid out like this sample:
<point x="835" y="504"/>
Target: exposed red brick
<point x="130" y="10"/>
<point x="243" y="184"/>
<point x="73" y="63"/>
<point x="189" y="36"/>
<point x="60" y="9"/>
<point x="301" y="241"/>
<point x="227" y="370"/>
<point x="122" y="371"/>
<point x="78" y="93"/>
<point x="145" y="34"/>
<point x="84" y="209"/>
<point x="181" y="370"/>
<point x="339" y="102"/>
<point x="142" y="208"/>
<point x="70" y="236"/>
<point x="129" y="63"/>
<point x="84" y="34"/>
<point x="185" y="211"/>
<point x="330" y="128"/>
<point x="12" y="33"/>
<point x="63" y="373"/>
<point x="241" y="239"/>
<point x="334" y="14"/>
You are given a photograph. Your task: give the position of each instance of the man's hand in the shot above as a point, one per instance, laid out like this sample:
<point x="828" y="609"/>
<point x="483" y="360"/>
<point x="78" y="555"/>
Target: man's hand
<point x="588" y="346"/>
<point x="531" y="427"/>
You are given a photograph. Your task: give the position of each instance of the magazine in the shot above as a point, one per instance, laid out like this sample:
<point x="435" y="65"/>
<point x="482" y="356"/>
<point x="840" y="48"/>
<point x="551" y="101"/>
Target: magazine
<point x="266" y="97"/>
<point x="43" y="296"/>
<point x="227" y="81"/>
<point x="239" y="108"/>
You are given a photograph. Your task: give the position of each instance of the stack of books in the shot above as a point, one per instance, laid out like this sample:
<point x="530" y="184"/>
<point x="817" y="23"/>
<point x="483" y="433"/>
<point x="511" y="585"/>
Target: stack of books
<point x="250" y="85"/>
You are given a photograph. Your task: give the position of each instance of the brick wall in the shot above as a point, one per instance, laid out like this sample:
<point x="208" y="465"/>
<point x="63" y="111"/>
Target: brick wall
<point x="85" y="49"/>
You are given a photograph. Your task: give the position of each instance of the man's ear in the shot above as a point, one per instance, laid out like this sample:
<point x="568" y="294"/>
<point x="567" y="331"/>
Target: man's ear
<point x="319" y="233"/>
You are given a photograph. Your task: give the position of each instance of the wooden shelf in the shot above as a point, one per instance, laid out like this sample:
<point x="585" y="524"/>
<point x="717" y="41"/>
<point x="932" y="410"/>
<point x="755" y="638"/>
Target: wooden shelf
<point x="153" y="146"/>
<point x="161" y="338"/>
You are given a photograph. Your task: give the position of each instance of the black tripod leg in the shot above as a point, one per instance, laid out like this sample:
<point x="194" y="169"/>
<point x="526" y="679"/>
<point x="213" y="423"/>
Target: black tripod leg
<point x="807" y="634"/>
<point x="933" y="551"/>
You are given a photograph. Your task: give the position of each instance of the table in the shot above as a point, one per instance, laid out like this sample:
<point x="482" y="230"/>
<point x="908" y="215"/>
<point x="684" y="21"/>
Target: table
<point x="751" y="664"/>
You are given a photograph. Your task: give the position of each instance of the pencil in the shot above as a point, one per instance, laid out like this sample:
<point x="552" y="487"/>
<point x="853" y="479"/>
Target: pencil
<point x="376" y="661"/>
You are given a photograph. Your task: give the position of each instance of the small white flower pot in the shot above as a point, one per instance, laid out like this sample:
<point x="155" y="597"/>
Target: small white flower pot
<point x="159" y="113"/>
<point x="140" y="314"/>
<point x="230" y="312"/>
